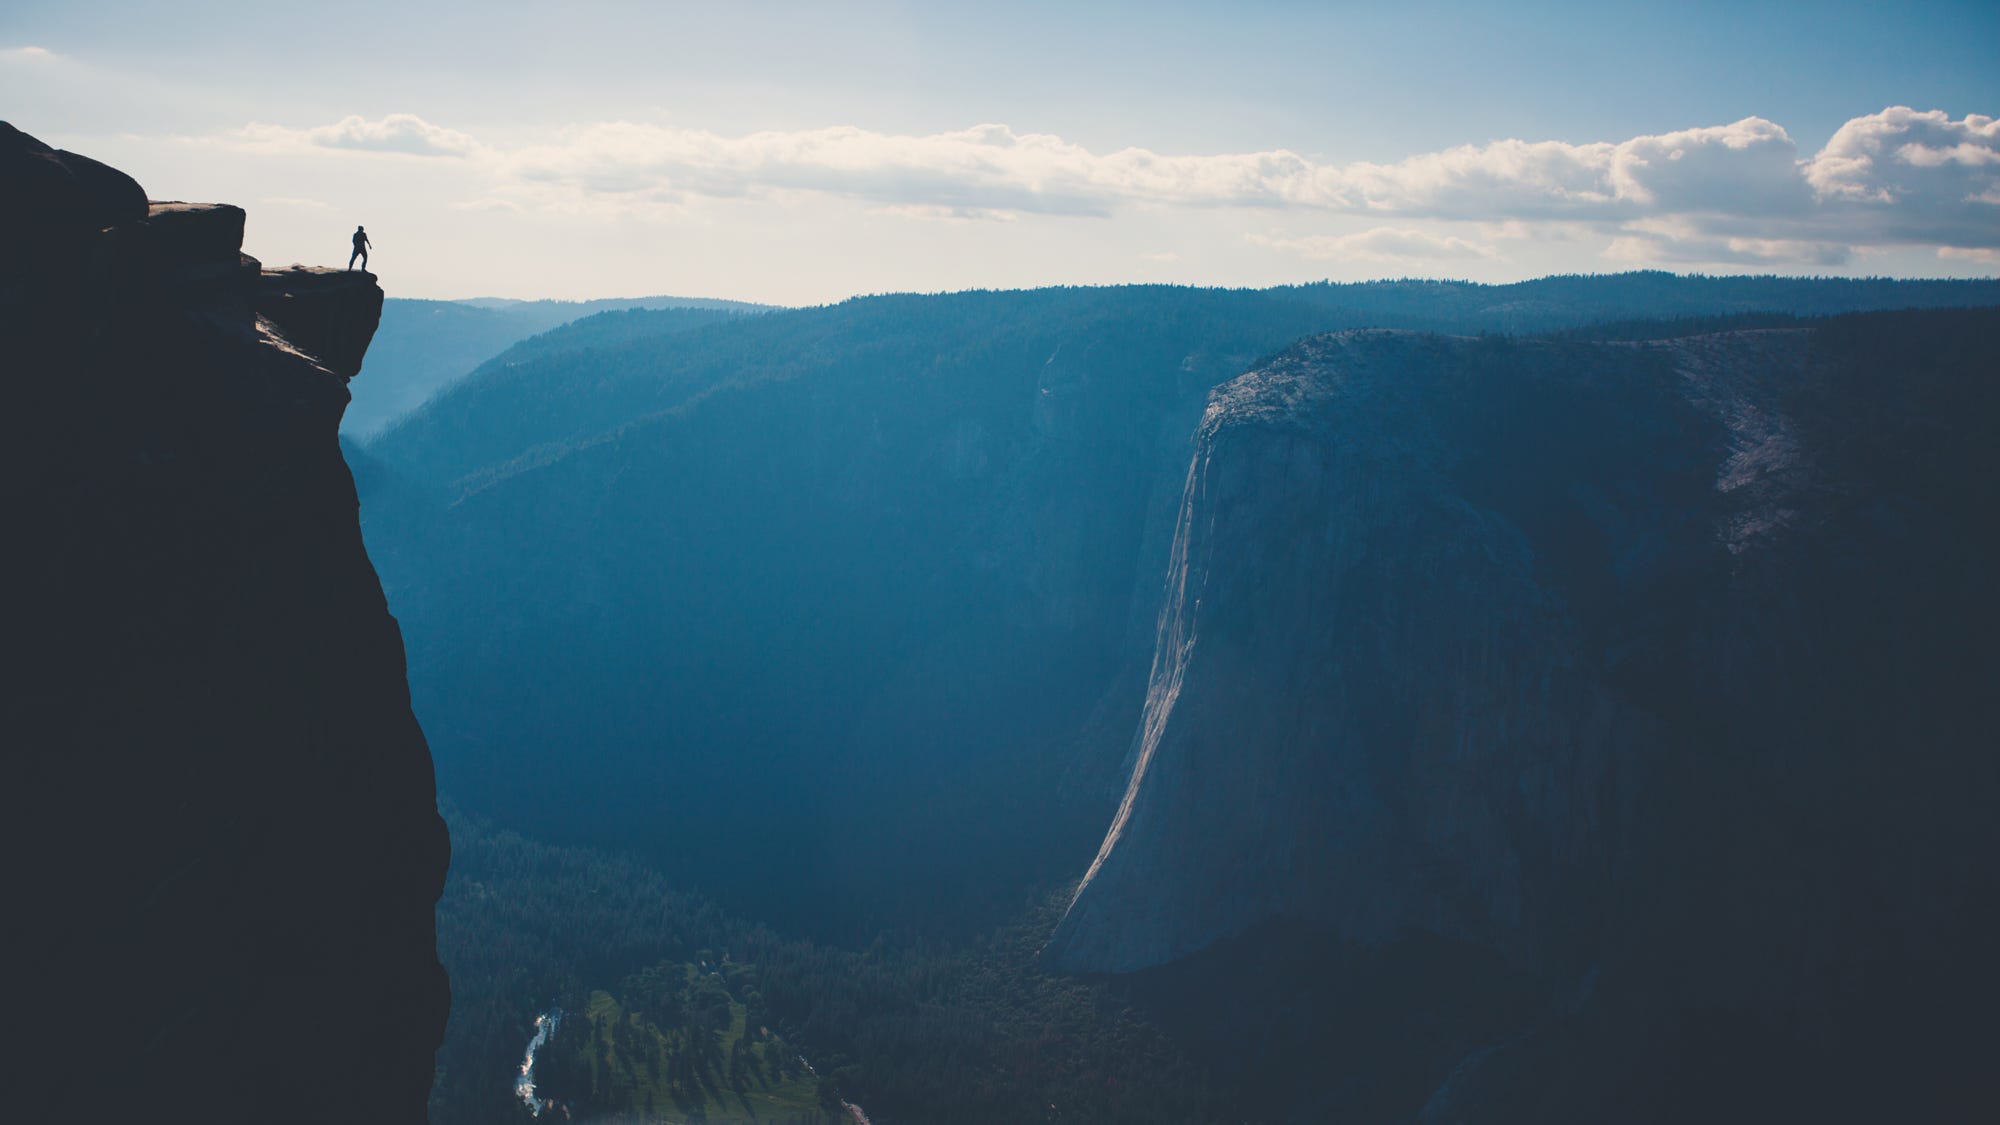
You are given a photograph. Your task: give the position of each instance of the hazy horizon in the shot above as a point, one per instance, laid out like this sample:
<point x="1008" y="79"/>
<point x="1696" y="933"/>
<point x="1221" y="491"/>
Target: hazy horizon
<point x="595" y="298"/>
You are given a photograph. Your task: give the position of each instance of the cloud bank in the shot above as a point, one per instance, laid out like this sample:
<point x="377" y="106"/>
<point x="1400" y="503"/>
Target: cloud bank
<point x="1742" y="192"/>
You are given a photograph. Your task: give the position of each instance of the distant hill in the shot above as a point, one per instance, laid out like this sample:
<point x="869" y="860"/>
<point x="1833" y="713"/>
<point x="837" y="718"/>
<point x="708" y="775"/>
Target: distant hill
<point x="576" y="310"/>
<point x="423" y="345"/>
<point x="1571" y="300"/>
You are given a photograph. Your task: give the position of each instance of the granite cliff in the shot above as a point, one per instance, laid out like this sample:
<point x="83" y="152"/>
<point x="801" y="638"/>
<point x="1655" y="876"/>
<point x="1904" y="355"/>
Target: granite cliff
<point x="1644" y="675"/>
<point x="1378" y="663"/>
<point x="223" y="838"/>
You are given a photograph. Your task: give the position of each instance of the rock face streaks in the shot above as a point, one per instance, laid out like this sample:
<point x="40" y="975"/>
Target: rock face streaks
<point x="1653" y="671"/>
<point x="1369" y="660"/>
<point x="223" y="841"/>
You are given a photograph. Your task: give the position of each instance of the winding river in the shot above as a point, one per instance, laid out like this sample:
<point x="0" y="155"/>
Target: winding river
<point x="524" y="1085"/>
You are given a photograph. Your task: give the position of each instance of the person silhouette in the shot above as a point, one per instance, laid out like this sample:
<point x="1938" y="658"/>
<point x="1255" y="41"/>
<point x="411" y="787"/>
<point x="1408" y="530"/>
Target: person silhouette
<point x="361" y="245"/>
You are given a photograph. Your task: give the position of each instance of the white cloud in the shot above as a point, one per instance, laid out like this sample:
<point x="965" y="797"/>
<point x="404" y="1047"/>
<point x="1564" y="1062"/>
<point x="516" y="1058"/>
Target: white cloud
<point x="490" y="203"/>
<point x="1707" y="240"/>
<point x="1381" y="244"/>
<point x="1696" y="249"/>
<point x="25" y="53"/>
<point x="1750" y="166"/>
<point x="941" y="214"/>
<point x="1913" y="177"/>
<point x="990" y="167"/>
<point x="1728" y="193"/>
<point x="402" y="133"/>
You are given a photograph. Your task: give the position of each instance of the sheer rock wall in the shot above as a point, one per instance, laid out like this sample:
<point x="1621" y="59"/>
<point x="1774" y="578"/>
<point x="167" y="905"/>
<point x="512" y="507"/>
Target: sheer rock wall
<point x="223" y="838"/>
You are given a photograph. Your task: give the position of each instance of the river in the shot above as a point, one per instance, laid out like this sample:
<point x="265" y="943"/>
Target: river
<point x="524" y="1084"/>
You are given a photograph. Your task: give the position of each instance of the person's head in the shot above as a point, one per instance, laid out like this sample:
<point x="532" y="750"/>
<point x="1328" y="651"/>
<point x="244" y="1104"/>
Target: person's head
<point x="358" y="227"/>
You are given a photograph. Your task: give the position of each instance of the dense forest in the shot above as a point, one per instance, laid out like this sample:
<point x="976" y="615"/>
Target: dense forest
<point x="682" y="1041"/>
<point x="661" y="989"/>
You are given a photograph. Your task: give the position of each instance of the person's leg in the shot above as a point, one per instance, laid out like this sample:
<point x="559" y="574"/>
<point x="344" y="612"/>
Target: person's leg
<point x="351" y="257"/>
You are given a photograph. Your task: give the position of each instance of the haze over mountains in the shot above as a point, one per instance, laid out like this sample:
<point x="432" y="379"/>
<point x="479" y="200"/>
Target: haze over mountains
<point x="879" y="579"/>
<point x="1481" y="652"/>
<point x="423" y="345"/>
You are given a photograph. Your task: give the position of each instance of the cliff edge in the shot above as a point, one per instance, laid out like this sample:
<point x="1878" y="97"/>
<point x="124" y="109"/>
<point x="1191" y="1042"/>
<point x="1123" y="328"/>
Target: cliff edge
<point x="223" y="837"/>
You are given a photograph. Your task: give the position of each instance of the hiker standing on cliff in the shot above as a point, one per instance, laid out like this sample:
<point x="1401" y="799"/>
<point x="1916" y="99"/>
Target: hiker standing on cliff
<point x="361" y="245"/>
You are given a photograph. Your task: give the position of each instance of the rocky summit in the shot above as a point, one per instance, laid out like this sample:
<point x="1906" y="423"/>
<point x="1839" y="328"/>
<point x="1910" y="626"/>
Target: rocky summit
<point x="222" y="830"/>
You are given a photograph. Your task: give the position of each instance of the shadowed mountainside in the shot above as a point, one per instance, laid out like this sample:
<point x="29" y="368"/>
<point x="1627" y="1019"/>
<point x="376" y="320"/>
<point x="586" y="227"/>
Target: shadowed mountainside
<point x="844" y="614"/>
<point x="1644" y="679"/>
<point x="422" y="346"/>
<point x="223" y="839"/>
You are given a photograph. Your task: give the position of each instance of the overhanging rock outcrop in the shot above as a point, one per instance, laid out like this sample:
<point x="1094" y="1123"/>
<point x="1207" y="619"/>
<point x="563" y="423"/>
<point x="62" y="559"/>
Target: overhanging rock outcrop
<point x="223" y="842"/>
<point x="322" y="312"/>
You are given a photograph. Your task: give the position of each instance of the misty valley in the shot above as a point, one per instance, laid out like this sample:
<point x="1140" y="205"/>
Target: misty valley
<point x="1558" y="701"/>
<point x="790" y="667"/>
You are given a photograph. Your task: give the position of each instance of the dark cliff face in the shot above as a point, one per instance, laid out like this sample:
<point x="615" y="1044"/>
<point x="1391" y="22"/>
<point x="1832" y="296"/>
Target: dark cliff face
<point x="1646" y="677"/>
<point x="222" y="835"/>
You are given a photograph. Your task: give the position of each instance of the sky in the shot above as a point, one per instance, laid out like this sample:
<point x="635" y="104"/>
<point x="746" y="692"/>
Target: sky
<point x="799" y="153"/>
